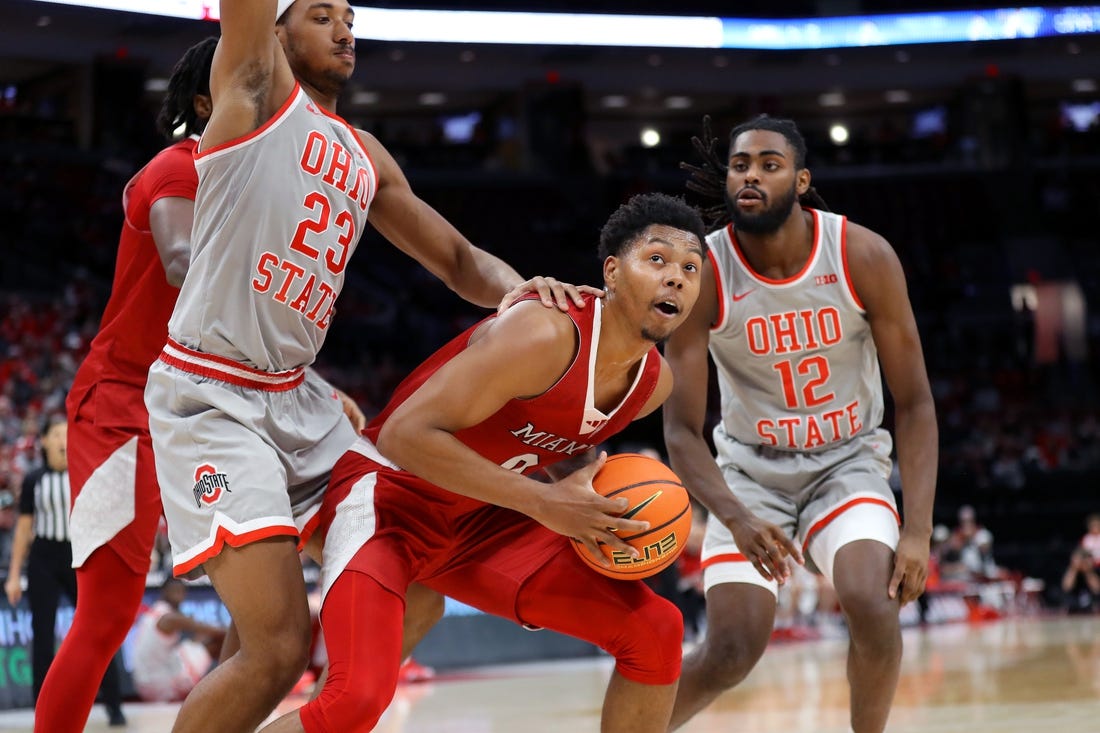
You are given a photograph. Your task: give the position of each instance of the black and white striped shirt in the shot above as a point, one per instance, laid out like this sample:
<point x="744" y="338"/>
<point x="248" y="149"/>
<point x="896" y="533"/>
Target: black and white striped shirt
<point x="46" y="497"/>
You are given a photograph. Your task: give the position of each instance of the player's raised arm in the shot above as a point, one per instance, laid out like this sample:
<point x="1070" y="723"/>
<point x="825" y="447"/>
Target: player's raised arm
<point x="421" y="232"/>
<point x="249" y="78"/>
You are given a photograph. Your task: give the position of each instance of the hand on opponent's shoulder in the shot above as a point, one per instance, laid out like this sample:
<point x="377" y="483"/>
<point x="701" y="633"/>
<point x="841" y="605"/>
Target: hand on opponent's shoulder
<point x="531" y="340"/>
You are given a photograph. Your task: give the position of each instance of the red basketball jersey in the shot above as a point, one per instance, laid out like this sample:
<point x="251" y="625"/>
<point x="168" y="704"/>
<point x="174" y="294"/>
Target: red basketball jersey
<point x="135" y="323"/>
<point x="528" y="434"/>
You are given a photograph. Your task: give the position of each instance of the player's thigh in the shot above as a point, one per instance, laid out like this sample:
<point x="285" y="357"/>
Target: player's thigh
<point x="262" y="587"/>
<point x="721" y="559"/>
<point x="116" y="497"/>
<point x="494" y="555"/>
<point x="740" y="611"/>
<point x="222" y="483"/>
<point x="850" y="507"/>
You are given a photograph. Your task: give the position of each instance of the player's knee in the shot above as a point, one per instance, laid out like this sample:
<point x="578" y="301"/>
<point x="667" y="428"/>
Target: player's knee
<point x="291" y="652"/>
<point x="279" y="661"/>
<point x="648" y="644"/>
<point x="101" y="629"/>
<point x="347" y="710"/>
<point x="868" y="603"/>
<point x="873" y="620"/>
<point x="727" y="658"/>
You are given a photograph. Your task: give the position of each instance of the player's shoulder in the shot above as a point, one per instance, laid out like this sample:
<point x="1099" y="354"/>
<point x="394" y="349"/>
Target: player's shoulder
<point x="534" y="323"/>
<point x="718" y="236"/>
<point x="178" y="155"/>
<point x="373" y="145"/>
<point x="865" y="246"/>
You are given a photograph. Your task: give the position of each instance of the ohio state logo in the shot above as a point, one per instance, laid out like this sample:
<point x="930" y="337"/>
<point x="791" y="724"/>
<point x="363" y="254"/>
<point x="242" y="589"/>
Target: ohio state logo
<point x="209" y="485"/>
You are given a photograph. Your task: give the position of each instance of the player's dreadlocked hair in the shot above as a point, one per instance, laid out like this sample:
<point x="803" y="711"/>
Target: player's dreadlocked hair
<point x="190" y="76"/>
<point x="709" y="179"/>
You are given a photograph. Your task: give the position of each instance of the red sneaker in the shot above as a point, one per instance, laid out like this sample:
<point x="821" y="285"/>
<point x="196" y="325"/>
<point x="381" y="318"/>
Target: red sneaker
<point x="413" y="671"/>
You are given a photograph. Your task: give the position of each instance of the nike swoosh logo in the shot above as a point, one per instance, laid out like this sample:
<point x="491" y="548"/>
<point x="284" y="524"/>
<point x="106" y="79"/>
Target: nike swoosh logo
<point x="631" y="513"/>
<point x="741" y="296"/>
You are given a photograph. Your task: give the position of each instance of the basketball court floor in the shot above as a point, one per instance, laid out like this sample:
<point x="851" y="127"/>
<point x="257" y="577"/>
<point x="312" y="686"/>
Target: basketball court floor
<point x="1014" y="676"/>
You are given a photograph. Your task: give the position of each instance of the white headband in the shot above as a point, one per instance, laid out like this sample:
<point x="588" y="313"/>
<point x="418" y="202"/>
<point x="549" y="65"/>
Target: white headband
<point x="282" y="7"/>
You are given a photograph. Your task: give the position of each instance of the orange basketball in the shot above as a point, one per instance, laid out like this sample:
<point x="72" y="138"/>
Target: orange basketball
<point x="657" y="496"/>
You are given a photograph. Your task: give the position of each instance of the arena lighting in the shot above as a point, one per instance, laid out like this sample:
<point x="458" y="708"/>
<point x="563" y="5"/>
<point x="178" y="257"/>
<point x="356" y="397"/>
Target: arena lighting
<point x="590" y="29"/>
<point x="650" y="138"/>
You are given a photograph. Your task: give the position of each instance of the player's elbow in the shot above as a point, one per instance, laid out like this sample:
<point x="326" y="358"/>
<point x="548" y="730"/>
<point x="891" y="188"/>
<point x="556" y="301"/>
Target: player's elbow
<point x="396" y="438"/>
<point x="176" y="272"/>
<point x="679" y="433"/>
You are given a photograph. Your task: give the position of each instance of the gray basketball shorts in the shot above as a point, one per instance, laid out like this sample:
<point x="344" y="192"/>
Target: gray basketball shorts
<point x="822" y="500"/>
<point x="239" y="460"/>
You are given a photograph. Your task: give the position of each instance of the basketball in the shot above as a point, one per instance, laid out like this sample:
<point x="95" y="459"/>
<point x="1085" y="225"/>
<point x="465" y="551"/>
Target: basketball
<point x="657" y="496"/>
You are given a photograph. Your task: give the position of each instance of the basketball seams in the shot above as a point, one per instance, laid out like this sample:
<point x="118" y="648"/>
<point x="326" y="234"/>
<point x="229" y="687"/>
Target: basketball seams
<point x="620" y="490"/>
<point x="659" y="527"/>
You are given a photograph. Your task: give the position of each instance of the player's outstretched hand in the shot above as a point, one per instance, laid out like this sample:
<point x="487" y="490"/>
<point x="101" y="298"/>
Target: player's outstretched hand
<point x="910" y="568"/>
<point x="767" y="547"/>
<point x="552" y="292"/>
<point x="573" y="508"/>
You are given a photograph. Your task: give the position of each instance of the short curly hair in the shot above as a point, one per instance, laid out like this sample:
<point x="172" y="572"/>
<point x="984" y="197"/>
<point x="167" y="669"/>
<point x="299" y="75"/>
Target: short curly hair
<point x="645" y="210"/>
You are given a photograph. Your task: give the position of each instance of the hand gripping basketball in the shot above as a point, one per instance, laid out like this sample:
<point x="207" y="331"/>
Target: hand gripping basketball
<point x="654" y="494"/>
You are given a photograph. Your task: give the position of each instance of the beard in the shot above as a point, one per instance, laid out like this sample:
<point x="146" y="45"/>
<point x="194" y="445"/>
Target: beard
<point x="325" y="80"/>
<point x="765" y="221"/>
<point x="657" y="338"/>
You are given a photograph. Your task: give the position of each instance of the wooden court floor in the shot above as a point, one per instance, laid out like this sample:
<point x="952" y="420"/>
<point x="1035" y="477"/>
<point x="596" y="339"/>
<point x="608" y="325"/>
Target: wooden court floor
<point x="1027" y="675"/>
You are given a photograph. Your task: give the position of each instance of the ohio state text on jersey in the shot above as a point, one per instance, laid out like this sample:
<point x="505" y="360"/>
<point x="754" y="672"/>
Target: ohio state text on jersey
<point x="278" y="214"/>
<point x="797" y="366"/>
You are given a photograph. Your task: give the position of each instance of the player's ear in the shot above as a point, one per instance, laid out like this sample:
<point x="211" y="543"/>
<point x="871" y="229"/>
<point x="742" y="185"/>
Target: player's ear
<point x="610" y="271"/>
<point x="803" y="181"/>
<point x="203" y="106"/>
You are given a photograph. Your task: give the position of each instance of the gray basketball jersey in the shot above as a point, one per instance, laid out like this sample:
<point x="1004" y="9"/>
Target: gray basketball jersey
<point x="278" y="214"/>
<point x="797" y="367"/>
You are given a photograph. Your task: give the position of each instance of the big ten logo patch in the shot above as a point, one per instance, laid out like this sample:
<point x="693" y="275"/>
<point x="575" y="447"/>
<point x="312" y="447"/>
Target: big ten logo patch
<point x="653" y="551"/>
<point x="210" y="485"/>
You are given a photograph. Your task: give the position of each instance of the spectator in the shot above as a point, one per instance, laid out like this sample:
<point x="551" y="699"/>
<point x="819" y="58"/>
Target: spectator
<point x="168" y="664"/>
<point x="1080" y="583"/>
<point x="1091" y="541"/>
<point x="974" y="545"/>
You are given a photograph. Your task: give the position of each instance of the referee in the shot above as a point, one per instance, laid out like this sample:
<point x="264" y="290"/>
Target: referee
<point x="42" y="539"/>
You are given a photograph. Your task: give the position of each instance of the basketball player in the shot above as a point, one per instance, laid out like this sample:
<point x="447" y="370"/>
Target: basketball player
<point x="438" y="493"/>
<point x="116" y="503"/>
<point x="243" y="433"/>
<point x="798" y="308"/>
